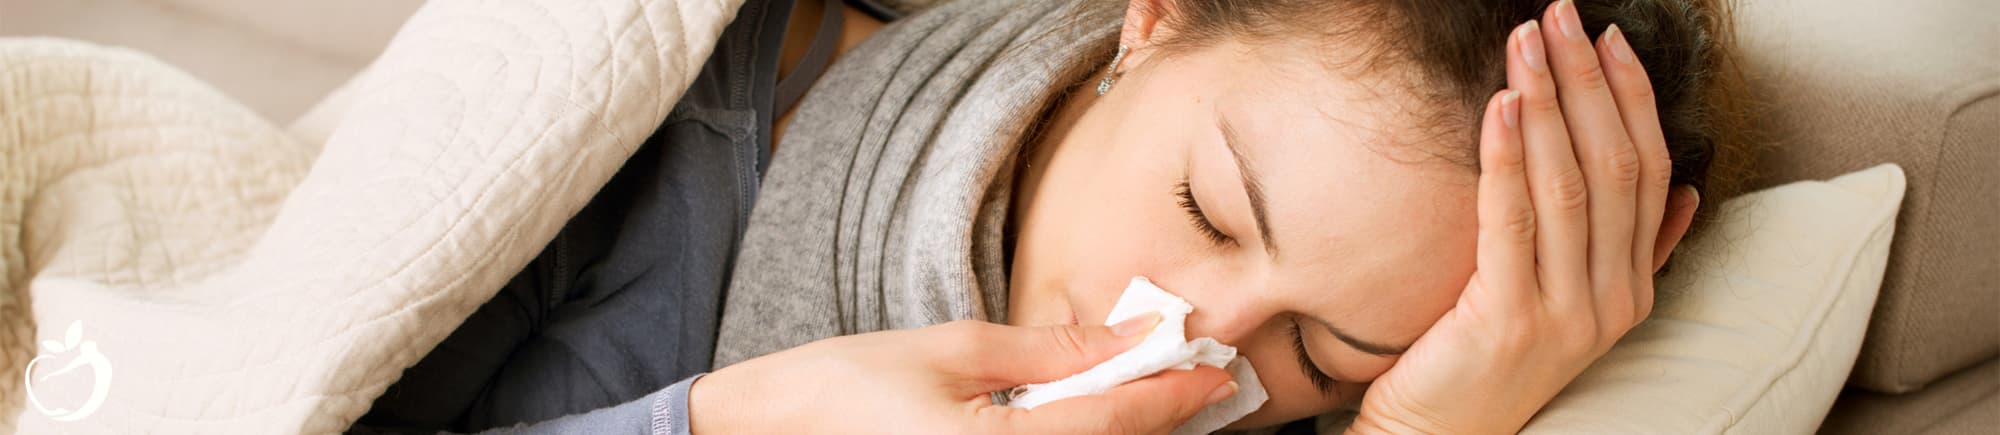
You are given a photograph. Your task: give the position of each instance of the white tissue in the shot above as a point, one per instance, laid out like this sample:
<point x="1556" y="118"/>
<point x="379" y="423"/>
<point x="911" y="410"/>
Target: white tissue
<point x="1166" y="347"/>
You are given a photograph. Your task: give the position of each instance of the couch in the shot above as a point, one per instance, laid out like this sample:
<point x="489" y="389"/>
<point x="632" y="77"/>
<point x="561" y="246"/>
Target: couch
<point x="1847" y="84"/>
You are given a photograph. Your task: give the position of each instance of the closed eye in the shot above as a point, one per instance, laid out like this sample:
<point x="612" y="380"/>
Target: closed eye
<point x="1319" y="380"/>
<point x="1202" y="225"/>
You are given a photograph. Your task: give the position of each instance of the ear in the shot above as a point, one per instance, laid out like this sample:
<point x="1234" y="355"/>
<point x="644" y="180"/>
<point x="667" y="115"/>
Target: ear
<point x="1681" y="204"/>
<point x="1142" y="25"/>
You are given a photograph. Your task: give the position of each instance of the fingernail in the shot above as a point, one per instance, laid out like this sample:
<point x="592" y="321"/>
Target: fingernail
<point x="1510" y="108"/>
<point x="1572" y="26"/>
<point x="1530" y="40"/>
<point x="1136" y="325"/>
<point x="1620" y="49"/>
<point x="1222" y="392"/>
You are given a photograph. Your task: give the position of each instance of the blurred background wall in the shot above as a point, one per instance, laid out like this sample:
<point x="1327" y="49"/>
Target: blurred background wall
<point x="277" y="56"/>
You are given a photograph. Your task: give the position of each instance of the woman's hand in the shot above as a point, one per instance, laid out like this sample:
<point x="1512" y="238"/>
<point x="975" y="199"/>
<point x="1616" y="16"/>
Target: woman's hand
<point x="936" y="380"/>
<point x="1572" y="190"/>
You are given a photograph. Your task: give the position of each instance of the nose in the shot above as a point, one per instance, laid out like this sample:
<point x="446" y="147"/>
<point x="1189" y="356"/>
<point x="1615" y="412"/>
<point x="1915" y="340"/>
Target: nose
<point x="1230" y="317"/>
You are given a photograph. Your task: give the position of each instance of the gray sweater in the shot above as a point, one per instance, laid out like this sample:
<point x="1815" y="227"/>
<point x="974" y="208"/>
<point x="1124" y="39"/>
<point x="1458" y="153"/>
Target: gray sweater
<point x="886" y="205"/>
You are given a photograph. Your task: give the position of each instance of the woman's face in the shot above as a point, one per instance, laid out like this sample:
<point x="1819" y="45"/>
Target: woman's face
<point x="1270" y="192"/>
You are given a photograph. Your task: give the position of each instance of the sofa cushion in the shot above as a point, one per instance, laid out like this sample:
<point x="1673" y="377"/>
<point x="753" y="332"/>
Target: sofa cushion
<point x="1852" y="83"/>
<point x="1969" y="399"/>
<point x="1758" y="324"/>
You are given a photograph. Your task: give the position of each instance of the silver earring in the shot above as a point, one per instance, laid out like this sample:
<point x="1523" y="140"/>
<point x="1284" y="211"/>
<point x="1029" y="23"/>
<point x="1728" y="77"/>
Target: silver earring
<point x="1111" y="74"/>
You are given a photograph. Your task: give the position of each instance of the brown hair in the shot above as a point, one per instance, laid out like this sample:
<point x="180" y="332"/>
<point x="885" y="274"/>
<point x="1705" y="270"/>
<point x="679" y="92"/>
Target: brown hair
<point x="1457" y="50"/>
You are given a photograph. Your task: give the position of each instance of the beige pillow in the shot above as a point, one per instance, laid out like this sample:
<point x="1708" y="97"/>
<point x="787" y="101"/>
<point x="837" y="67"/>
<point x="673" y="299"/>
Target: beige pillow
<point x="1757" y="326"/>
<point x="1756" y="329"/>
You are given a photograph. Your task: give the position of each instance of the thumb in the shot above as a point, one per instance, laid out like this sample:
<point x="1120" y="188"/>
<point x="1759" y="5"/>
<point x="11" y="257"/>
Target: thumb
<point x="1014" y="355"/>
<point x="1153" y="405"/>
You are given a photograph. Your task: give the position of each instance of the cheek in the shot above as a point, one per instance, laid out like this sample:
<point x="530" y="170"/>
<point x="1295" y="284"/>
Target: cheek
<point x="1115" y="217"/>
<point x="1124" y="236"/>
<point x="1107" y="219"/>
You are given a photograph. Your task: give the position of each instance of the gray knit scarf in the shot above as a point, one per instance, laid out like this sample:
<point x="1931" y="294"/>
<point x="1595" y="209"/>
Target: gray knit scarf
<point x="885" y="205"/>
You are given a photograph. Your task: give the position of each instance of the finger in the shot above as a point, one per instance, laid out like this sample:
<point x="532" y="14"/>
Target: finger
<point x="1008" y="356"/>
<point x="1682" y="202"/>
<point x="1506" y="218"/>
<point x="1634" y="92"/>
<point x="1152" y="405"/>
<point x="1555" y="184"/>
<point x="1605" y="153"/>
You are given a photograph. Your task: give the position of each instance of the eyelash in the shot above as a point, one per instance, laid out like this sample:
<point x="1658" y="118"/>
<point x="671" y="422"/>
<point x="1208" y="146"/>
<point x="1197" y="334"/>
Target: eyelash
<point x="1319" y="380"/>
<point x="1198" y="219"/>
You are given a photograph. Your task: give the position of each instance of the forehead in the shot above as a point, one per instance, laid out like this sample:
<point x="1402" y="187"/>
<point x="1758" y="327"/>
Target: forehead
<point x="1330" y="146"/>
<point x="1354" y="202"/>
<point x="1334" y="177"/>
<point x="1332" y="94"/>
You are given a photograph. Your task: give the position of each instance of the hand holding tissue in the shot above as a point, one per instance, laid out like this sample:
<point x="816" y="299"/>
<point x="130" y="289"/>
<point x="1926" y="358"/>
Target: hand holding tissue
<point x="1165" y="348"/>
<point x="941" y="379"/>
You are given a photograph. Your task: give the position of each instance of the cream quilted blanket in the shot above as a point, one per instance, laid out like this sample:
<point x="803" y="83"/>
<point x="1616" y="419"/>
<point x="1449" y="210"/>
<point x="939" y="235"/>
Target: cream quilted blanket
<point x="174" y="263"/>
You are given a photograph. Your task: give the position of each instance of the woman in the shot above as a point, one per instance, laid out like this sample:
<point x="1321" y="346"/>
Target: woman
<point x="1427" y="202"/>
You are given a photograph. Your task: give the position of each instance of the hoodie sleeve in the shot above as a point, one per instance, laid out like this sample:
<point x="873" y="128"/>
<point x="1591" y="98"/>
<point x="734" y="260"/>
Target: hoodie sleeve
<point x="664" y="412"/>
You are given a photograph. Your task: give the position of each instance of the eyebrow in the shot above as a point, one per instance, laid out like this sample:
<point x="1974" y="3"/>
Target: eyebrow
<point x="1250" y="183"/>
<point x="1371" y="348"/>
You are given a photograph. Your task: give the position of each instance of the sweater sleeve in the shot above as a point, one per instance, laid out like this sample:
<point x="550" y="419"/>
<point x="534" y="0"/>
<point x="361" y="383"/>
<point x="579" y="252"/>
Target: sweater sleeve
<point x="664" y="412"/>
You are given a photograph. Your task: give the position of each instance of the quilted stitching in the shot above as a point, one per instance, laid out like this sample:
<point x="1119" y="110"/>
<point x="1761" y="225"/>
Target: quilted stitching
<point x="164" y="217"/>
